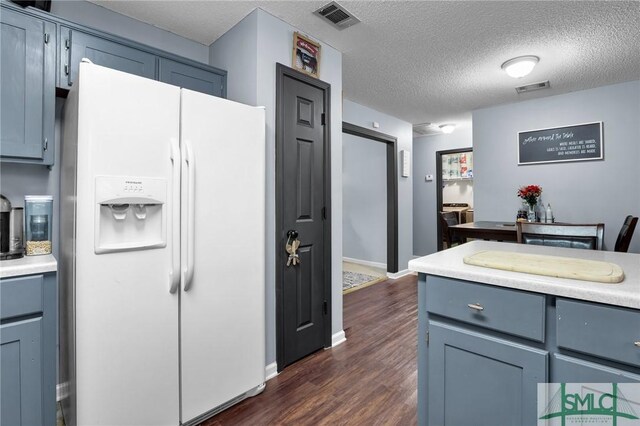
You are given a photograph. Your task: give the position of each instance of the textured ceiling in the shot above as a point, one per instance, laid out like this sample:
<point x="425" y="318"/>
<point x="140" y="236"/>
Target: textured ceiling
<point x="435" y="61"/>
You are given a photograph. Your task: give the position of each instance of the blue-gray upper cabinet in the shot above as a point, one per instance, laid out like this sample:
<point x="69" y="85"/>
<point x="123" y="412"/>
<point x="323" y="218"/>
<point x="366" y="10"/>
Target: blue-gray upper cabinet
<point x="27" y="88"/>
<point x="103" y="52"/>
<point x="193" y="78"/>
<point x="476" y="379"/>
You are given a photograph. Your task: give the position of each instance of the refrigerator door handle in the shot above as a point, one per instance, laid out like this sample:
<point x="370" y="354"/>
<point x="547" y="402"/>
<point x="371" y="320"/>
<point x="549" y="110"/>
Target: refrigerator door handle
<point x="191" y="211"/>
<point x="174" y="275"/>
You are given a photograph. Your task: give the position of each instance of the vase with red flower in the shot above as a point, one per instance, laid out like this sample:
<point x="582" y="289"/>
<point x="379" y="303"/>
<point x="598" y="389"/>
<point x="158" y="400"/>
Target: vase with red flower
<point x="530" y="194"/>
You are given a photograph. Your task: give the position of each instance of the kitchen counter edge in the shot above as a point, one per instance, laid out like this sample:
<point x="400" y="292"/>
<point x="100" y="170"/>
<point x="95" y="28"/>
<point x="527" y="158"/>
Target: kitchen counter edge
<point x="449" y="263"/>
<point x="28" y="265"/>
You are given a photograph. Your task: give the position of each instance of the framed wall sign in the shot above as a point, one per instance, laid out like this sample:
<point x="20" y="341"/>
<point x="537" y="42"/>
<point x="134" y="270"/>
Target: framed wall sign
<point x="306" y="55"/>
<point x="579" y="142"/>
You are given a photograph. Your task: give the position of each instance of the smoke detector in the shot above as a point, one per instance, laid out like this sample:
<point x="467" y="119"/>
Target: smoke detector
<point x="336" y="15"/>
<point x="534" y="86"/>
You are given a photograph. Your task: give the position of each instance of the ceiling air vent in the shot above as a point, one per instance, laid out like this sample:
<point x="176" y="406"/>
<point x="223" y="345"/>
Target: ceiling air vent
<point x="425" y="129"/>
<point x="534" y="86"/>
<point x="337" y="15"/>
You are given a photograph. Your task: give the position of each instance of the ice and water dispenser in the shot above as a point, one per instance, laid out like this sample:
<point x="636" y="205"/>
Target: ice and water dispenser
<point x="130" y="213"/>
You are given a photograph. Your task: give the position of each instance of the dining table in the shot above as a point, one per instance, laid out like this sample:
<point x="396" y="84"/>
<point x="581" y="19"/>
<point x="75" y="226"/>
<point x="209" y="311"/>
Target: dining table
<point x="485" y="230"/>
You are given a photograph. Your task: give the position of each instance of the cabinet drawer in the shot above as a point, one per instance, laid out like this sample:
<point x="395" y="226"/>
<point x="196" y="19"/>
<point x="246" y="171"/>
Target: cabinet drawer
<point x="566" y="369"/>
<point x="509" y="311"/>
<point x="21" y="296"/>
<point x="604" y="331"/>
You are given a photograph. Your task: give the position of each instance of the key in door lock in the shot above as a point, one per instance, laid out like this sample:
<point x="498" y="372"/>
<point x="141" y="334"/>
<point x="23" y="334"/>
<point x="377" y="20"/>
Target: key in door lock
<point x="292" y="247"/>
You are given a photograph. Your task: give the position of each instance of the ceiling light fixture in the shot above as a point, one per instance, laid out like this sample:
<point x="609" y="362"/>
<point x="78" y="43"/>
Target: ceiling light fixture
<point x="447" y="128"/>
<point x="520" y="66"/>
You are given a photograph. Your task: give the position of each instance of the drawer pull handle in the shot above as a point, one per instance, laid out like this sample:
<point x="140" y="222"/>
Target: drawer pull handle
<point x="477" y="307"/>
<point x="637" y="344"/>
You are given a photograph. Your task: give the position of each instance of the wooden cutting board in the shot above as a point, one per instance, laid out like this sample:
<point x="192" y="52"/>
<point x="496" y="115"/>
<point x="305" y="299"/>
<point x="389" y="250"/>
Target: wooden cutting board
<point x="551" y="266"/>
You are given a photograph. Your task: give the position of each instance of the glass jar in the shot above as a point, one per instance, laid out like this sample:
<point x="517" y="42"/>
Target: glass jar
<point x="16" y="230"/>
<point x="38" y="224"/>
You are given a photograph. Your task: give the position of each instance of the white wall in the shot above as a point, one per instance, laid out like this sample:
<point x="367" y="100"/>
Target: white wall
<point x="364" y="199"/>
<point x="274" y="44"/>
<point x="236" y="52"/>
<point x="425" y="233"/>
<point x="579" y="192"/>
<point x="363" y="116"/>
<point x="460" y="191"/>
<point x="94" y="16"/>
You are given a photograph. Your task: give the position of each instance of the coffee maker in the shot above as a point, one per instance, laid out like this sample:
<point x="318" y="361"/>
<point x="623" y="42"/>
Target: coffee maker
<point x="11" y="233"/>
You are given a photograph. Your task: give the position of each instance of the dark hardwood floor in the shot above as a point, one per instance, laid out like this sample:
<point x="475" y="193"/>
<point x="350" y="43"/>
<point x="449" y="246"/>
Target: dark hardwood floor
<point x="371" y="379"/>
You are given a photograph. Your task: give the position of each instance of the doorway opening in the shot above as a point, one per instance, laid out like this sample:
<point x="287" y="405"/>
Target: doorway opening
<point x="370" y="207"/>
<point x="454" y="200"/>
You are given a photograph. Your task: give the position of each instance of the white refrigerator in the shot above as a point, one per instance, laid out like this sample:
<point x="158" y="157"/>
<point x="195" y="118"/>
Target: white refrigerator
<point x="163" y="245"/>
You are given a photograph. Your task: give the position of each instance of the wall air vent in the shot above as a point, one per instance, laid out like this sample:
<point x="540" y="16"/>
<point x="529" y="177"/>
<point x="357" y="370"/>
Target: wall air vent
<point x="425" y="129"/>
<point x="534" y="86"/>
<point x="336" y="15"/>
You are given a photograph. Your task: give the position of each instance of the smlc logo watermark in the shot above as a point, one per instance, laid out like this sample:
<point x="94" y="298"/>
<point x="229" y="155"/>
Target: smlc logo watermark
<point x="614" y="404"/>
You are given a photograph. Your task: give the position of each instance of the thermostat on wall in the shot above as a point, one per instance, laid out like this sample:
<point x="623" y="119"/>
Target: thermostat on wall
<point x="405" y="157"/>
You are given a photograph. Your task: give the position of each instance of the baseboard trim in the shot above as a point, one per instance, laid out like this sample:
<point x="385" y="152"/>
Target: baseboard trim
<point x="365" y="263"/>
<point x="62" y="391"/>
<point x="400" y="274"/>
<point x="338" y="338"/>
<point x="271" y="371"/>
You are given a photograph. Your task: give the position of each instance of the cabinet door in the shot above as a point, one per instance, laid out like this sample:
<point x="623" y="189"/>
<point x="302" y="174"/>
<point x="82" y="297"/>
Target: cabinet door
<point x="475" y="379"/>
<point x="108" y="54"/>
<point x="27" y="88"/>
<point x="566" y="369"/>
<point x="192" y="78"/>
<point x="21" y="371"/>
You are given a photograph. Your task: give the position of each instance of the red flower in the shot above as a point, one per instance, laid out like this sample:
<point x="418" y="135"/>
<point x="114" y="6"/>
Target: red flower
<point x="530" y="193"/>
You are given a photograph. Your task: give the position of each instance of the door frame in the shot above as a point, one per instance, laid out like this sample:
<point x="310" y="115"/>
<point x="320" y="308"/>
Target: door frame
<point x="392" y="187"/>
<point x="282" y="72"/>
<point x="439" y="155"/>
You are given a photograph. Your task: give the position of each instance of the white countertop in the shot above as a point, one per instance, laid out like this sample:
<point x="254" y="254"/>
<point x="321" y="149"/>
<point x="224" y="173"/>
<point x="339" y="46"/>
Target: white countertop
<point x="28" y="265"/>
<point x="448" y="263"/>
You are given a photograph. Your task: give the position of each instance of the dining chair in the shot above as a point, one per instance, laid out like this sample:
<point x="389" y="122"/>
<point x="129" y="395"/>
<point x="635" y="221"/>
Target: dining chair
<point x="626" y="232"/>
<point x="589" y="236"/>
<point x="448" y="219"/>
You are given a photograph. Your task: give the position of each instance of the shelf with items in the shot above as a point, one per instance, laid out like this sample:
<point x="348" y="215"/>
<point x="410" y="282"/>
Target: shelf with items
<point x="457" y="167"/>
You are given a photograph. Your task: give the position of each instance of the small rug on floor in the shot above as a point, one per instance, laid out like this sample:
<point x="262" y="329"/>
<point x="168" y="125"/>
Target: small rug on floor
<point x="352" y="281"/>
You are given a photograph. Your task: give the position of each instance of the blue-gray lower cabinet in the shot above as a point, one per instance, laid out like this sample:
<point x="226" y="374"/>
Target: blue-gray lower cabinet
<point x="192" y="78"/>
<point x="21" y="368"/>
<point x="569" y="369"/>
<point x="106" y="53"/>
<point x="27" y="88"/>
<point x="483" y="349"/>
<point x="28" y="338"/>
<point x="476" y="379"/>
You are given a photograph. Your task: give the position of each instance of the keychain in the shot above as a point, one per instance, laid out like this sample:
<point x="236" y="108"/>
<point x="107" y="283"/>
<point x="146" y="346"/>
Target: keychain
<point x="292" y="247"/>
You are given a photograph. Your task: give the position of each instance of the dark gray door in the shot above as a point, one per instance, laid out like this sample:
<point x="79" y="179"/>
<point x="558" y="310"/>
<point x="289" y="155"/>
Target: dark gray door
<point x="302" y="190"/>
